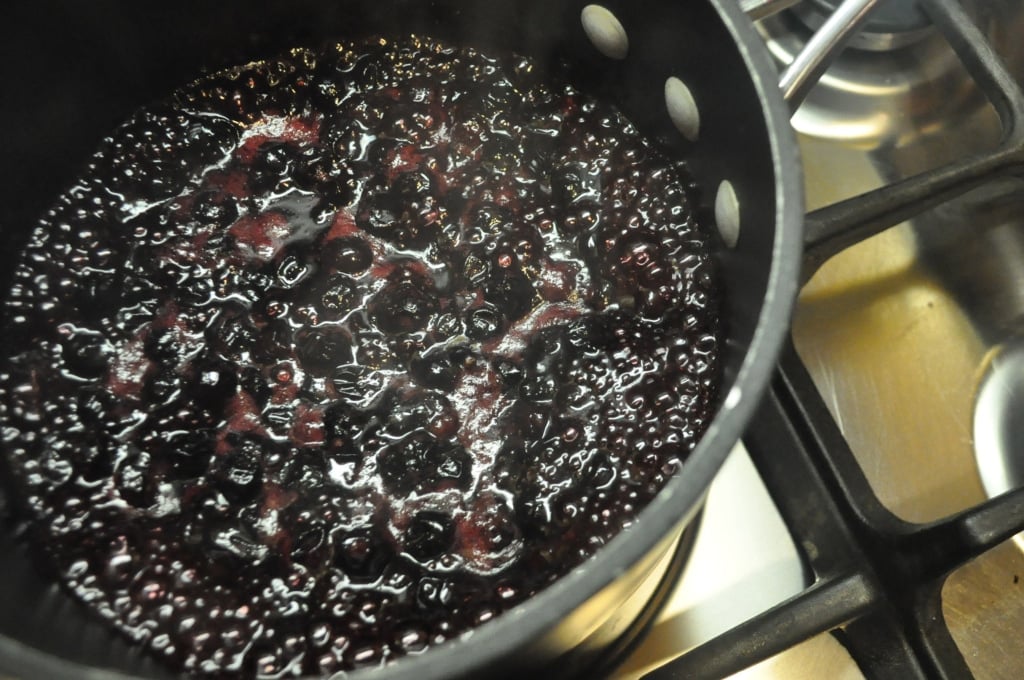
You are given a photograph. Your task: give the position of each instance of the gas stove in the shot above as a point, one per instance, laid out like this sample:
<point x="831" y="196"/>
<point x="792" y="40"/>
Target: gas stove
<point x="867" y="526"/>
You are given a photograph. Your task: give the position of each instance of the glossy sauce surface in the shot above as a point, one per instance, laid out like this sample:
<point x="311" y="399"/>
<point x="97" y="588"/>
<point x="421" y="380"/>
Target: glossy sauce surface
<point x="330" y="358"/>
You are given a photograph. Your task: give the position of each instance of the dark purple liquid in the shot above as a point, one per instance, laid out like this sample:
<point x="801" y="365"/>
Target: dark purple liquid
<point x="328" y="359"/>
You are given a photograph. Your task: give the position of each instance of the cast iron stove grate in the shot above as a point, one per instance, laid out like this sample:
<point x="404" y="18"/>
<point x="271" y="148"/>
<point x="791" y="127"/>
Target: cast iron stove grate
<point x="877" y="579"/>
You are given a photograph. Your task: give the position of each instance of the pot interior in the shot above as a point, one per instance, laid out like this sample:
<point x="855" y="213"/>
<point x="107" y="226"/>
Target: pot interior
<point x="74" y="71"/>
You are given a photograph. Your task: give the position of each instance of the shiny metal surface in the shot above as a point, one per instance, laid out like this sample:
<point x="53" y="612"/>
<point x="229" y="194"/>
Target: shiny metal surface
<point x="912" y="337"/>
<point x="982" y="604"/>
<point x="743" y="562"/>
<point x="806" y="67"/>
<point x="876" y="40"/>
<point x="873" y="101"/>
<point x="759" y="9"/>
<point x="608" y="614"/>
<point x="998" y="428"/>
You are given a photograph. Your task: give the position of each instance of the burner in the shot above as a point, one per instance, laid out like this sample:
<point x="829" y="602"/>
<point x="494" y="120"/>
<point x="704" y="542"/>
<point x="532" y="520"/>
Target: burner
<point x="875" y="98"/>
<point x="865" y="441"/>
<point x="892" y="24"/>
<point x="998" y="429"/>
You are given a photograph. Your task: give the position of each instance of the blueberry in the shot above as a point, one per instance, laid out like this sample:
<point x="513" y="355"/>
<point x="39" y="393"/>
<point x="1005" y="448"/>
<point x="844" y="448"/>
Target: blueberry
<point x="411" y="187"/>
<point x="252" y="285"/>
<point x="437" y="369"/>
<point x="347" y="255"/>
<point x="207" y="138"/>
<point x="533" y="508"/>
<point x="363" y="555"/>
<point x="308" y="542"/>
<point x="484" y="322"/>
<point x="134" y="479"/>
<point x="352" y="383"/>
<point x="574" y="182"/>
<point x="382" y="151"/>
<point x="86" y="355"/>
<point x="304" y="469"/>
<point x="342" y="428"/>
<point x="322" y="349"/>
<point x="94" y="407"/>
<point x="324" y="210"/>
<point x="375" y="351"/>
<point x="213" y="383"/>
<point x="538" y="387"/>
<point x="235" y="544"/>
<point x="500" y="155"/>
<point x="255" y="385"/>
<point x="163" y="387"/>
<point x="188" y="452"/>
<point x="403" y="307"/>
<point x="601" y="470"/>
<point x="511" y="292"/>
<point x="272" y="165"/>
<point x="279" y="419"/>
<point x="293" y="269"/>
<point x="162" y="345"/>
<point x="238" y="474"/>
<point x="429" y="535"/>
<point x="591" y="334"/>
<point x="433" y="594"/>
<point x="339" y="134"/>
<point x="339" y="297"/>
<point x="453" y="466"/>
<point x="512" y="467"/>
<point x="233" y="335"/>
<point x="380" y="213"/>
<point x="417" y="410"/>
<point x="326" y="539"/>
<point x="475" y="270"/>
<point x="511" y="373"/>
<point x="275" y="341"/>
<point x="328" y="175"/>
<point x="410" y="224"/>
<point x="421" y="463"/>
<point x="490" y="219"/>
<point x="214" y="209"/>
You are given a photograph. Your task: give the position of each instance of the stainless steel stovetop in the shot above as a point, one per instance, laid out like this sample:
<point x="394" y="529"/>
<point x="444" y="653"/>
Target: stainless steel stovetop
<point x="914" y="339"/>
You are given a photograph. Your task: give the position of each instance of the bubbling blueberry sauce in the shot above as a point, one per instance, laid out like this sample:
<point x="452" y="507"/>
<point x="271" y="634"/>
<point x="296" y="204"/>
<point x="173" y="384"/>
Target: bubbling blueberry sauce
<point x="330" y="358"/>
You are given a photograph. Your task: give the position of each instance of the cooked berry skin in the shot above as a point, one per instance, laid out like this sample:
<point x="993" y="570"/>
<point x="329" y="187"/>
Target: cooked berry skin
<point x="327" y="359"/>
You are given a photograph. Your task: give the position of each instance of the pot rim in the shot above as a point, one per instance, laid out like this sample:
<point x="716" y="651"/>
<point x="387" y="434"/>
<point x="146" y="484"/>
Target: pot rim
<point x="677" y="503"/>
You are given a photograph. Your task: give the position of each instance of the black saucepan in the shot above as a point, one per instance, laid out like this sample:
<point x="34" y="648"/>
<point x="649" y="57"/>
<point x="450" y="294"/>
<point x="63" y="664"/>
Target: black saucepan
<point x="72" y="71"/>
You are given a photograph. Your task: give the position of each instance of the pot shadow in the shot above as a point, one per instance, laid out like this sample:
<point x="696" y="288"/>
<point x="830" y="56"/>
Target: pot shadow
<point x="744" y="562"/>
<point x="671" y="637"/>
